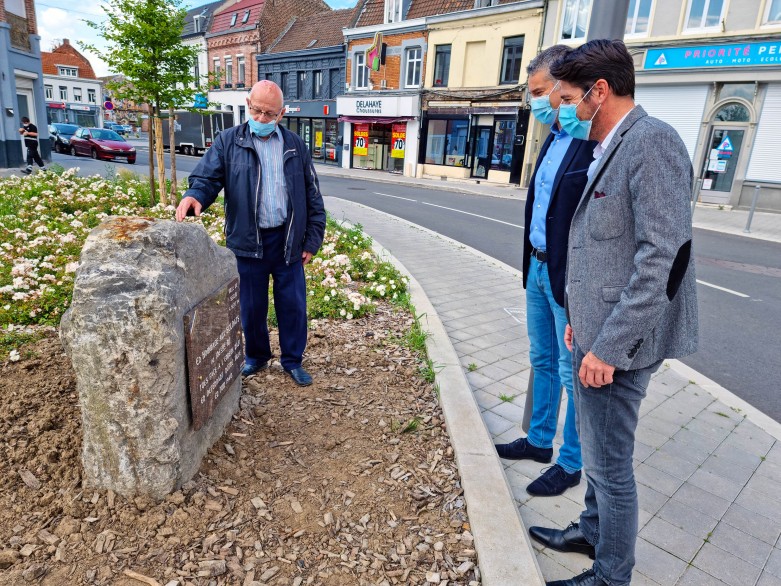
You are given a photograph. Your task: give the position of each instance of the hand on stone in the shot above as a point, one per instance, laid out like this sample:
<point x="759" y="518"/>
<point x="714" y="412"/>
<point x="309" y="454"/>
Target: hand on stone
<point x="184" y="207"/>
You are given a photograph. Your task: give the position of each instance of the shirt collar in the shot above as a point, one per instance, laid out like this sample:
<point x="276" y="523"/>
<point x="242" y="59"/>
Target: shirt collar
<point x="277" y="132"/>
<point x="558" y="130"/>
<point x="600" y="149"/>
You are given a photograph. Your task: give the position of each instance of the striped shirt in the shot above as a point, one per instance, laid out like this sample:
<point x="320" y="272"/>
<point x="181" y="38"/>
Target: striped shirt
<point x="273" y="189"/>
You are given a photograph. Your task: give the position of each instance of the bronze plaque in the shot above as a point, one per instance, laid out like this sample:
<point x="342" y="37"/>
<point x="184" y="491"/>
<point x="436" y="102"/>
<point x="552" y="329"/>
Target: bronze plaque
<point x="215" y="354"/>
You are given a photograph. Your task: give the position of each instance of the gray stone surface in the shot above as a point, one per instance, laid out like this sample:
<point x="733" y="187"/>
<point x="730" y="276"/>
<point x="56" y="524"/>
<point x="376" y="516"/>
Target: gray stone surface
<point x="124" y="334"/>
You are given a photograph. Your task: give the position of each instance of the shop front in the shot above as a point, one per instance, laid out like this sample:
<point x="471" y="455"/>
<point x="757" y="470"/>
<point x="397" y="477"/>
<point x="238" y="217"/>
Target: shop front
<point x="316" y="123"/>
<point x="724" y="100"/>
<point x="382" y="132"/>
<point x="81" y="114"/>
<point x="474" y="141"/>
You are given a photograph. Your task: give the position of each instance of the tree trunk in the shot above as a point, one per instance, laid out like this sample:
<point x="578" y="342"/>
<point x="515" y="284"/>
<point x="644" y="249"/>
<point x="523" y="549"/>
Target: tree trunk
<point x="172" y="142"/>
<point x="160" y="158"/>
<point x="151" y="157"/>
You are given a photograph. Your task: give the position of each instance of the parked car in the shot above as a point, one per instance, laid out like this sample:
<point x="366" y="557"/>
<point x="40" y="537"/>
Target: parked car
<point x="101" y="143"/>
<point x="60" y="136"/>
<point x="128" y="128"/>
<point x="118" y="128"/>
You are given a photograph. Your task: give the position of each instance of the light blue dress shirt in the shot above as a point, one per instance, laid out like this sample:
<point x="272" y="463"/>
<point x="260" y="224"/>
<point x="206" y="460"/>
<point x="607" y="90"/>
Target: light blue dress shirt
<point x="543" y="185"/>
<point x="272" y="189"/>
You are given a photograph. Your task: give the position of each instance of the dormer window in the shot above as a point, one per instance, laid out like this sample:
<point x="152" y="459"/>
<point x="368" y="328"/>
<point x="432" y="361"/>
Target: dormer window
<point x="394" y="11"/>
<point x="245" y="18"/>
<point x="68" y="71"/>
<point x="233" y="18"/>
<point x="197" y="23"/>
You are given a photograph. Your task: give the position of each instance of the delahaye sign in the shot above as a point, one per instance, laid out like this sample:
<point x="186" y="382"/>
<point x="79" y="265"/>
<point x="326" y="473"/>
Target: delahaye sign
<point x="389" y="106"/>
<point x="368" y="107"/>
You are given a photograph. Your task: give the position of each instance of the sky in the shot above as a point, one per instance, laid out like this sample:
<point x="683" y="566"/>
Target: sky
<point x="58" y="19"/>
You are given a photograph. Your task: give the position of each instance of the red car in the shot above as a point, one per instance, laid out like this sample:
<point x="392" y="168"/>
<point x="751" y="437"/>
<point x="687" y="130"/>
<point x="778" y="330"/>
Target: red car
<point x="101" y="143"/>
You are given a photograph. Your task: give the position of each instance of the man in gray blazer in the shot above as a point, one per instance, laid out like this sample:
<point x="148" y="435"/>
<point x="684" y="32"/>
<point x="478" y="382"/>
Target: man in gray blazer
<point x="631" y="292"/>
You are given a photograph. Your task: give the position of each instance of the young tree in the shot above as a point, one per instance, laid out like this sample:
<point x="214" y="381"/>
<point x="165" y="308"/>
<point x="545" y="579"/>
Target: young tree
<point x="144" y="44"/>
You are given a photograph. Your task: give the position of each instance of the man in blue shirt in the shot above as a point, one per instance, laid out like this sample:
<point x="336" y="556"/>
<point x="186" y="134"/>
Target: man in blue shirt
<point x="274" y="223"/>
<point x="555" y="190"/>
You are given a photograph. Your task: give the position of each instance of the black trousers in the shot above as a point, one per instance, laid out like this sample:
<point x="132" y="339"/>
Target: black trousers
<point x="34" y="155"/>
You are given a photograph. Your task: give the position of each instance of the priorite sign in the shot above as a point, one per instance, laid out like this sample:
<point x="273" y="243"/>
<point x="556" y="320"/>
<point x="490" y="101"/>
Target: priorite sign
<point x="720" y="55"/>
<point x="213" y="344"/>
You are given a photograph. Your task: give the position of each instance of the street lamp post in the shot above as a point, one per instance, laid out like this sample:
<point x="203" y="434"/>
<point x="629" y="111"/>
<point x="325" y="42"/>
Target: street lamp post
<point x="608" y="19"/>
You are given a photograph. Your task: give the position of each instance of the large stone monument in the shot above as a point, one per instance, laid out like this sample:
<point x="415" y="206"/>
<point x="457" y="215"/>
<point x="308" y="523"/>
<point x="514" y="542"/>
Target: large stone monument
<point x="152" y="297"/>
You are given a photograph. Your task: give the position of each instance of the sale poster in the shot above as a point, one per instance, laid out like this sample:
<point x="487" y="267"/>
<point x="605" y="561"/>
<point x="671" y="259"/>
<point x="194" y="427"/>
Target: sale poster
<point x="398" y="140"/>
<point x="361" y="140"/>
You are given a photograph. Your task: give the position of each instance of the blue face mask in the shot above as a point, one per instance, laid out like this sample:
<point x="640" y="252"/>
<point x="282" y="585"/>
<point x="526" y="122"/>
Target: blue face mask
<point x="571" y="124"/>
<point x="541" y="108"/>
<point x="262" y="129"/>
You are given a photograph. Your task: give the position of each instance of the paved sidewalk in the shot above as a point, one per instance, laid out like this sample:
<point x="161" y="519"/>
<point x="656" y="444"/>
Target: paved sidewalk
<point x="708" y="466"/>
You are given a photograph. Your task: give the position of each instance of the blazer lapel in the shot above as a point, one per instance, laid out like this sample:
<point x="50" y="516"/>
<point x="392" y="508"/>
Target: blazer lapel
<point x="573" y="149"/>
<point x="634" y="115"/>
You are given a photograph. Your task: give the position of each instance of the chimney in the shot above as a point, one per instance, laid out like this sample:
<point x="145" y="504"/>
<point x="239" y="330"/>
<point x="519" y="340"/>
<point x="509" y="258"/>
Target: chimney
<point x="66" y="42"/>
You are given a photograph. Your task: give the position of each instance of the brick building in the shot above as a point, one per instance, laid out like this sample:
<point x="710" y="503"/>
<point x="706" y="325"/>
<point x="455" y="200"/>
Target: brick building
<point x="21" y="88"/>
<point x="72" y="91"/>
<point x="239" y="32"/>
<point x="386" y="54"/>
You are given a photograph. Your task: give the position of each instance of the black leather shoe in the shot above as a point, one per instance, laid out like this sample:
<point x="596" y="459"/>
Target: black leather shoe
<point x="568" y="540"/>
<point x="301" y="377"/>
<point x="587" y="578"/>
<point x="553" y="482"/>
<point x="521" y="449"/>
<point x="250" y="369"/>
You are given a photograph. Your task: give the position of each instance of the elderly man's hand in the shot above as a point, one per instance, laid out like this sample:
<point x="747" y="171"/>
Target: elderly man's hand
<point x="185" y="205"/>
<point x="306" y="257"/>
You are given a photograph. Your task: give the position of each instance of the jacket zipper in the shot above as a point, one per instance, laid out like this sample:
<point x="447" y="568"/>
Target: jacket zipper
<point x="257" y="190"/>
<point x="292" y="209"/>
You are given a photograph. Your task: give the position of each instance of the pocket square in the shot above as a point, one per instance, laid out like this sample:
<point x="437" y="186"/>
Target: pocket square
<point x="599" y="194"/>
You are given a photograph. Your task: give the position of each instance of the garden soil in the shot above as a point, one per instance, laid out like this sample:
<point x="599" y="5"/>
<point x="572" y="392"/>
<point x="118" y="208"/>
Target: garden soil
<point x="349" y="481"/>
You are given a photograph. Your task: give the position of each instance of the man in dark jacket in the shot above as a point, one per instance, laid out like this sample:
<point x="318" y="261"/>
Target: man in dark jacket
<point x="274" y="223"/>
<point x="30" y="133"/>
<point x="554" y="193"/>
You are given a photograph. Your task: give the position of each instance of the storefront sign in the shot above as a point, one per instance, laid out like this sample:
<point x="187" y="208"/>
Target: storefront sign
<point x="387" y="106"/>
<point x="57" y="105"/>
<point x="368" y="107"/>
<point x="361" y="140"/>
<point x="727" y="55"/>
<point x="399" y="139"/>
<point x="80" y="108"/>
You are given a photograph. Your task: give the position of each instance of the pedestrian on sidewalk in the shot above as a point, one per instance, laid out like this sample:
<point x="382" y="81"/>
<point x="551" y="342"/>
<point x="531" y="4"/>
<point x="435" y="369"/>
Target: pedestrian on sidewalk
<point x="30" y="133"/>
<point x="631" y="292"/>
<point x="554" y="192"/>
<point x="274" y="223"/>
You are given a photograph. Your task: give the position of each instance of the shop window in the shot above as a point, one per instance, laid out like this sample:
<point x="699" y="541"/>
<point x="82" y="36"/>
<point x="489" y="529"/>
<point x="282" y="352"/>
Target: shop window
<point x="414" y="62"/>
<point x="704" y="14"/>
<point x="301" y="85"/>
<point x="441" y="65"/>
<point x="49" y="92"/>
<point x="504" y="134"/>
<point x="773" y="12"/>
<point x="317" y="82"/>
<point x="511" y="59"/>
<point x="241" y="71"/>
<point x="733" y="112"/>
<point x="446" y="142"/>
<point x="574" y="20"/>
<point x="638" y="17"/>
<point x="361" y="72"/>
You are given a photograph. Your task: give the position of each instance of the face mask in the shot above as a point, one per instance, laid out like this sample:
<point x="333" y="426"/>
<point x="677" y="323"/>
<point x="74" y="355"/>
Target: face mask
<point x="571" y="124"/>
<point x="541" y="108"/>
<point x="262" y="129"/>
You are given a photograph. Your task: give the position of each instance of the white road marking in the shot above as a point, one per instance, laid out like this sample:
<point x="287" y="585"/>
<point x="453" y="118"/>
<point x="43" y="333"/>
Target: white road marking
<point x="517" y="313"/>
<point x="393" y="196"/>
<point x="471" y="214"/>
<point x="723" y="289"/>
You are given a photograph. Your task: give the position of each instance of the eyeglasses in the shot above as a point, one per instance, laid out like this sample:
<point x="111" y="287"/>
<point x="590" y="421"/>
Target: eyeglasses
<point x="258" y="112"/>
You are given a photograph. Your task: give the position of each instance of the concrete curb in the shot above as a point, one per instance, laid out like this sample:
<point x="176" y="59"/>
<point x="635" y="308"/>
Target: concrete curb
<point x="505" y="554"/>
<point x="762" y="421"/>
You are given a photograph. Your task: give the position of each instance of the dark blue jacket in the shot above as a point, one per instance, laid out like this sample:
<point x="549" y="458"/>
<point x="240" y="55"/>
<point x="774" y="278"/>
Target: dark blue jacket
<point x="568" y="188"/>
<point x="233" y="164"/>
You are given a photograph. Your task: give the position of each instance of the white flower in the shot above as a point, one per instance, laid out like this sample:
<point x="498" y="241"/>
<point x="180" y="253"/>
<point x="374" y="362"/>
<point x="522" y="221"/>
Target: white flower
<point x="342" y="313"/>
<point x="14" y="356"/>
<point x="349" y="316"/>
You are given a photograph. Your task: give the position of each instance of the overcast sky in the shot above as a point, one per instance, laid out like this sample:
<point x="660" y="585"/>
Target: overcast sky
<point x="64" y="19"/>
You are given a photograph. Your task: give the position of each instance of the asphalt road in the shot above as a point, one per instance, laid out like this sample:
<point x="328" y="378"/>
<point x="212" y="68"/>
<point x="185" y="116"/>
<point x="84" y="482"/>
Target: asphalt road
<point x="739" y="278"/>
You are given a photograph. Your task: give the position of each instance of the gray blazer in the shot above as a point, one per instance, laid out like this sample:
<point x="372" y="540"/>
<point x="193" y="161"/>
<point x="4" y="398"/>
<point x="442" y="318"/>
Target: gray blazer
<point x="631" y="291"/>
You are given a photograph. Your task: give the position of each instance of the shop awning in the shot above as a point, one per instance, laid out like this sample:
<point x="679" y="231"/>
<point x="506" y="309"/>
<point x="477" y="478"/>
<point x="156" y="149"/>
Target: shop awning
<point x="374" y="119"/>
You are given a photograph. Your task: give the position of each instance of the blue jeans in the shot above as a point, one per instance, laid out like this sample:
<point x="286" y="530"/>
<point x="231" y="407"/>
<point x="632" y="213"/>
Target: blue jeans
<point x="552" y="363"/>
<point x="289" y="302"/>
<point x="607" y="419"/>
